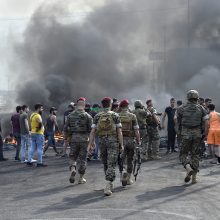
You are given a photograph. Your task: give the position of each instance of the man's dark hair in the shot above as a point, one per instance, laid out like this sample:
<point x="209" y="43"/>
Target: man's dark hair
<point x="24" y="107"/>
<point x="179" y="102"/>
<point x="96" y="106"/>
<point x="106" y="103"/>
<point x="18" y="109"/>
<point x="172" y="99"/>
<point x="211" y="107"/>
<point x="37" y="106"/>
<point x="148" y="101"/>
<point x="208" y="100"/>
<point x="201" y="99"/>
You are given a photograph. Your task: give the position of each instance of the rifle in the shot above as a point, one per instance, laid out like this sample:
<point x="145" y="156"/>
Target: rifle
<point x="137" y="162"/>
<point x="120" y="162"/>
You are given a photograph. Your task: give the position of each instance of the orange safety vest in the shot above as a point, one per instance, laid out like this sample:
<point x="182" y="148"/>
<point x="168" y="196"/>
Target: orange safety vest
<point x="214" y="121"/>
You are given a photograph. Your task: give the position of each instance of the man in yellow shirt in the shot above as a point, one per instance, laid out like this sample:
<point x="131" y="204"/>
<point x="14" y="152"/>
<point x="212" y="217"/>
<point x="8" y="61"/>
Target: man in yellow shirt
<point x="37" y="136"/>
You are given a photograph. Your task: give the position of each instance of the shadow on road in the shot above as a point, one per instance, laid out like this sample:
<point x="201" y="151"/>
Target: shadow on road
<point x="43" y="193"/>
<point x="77" y="201"/>
<point x="162" y="193"/>
<point x="73" y="202"/>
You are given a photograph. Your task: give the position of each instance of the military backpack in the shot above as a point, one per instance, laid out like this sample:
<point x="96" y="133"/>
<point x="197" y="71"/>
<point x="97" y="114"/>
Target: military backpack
<point x="106" y="125"/>
<point x="126" y="121"/>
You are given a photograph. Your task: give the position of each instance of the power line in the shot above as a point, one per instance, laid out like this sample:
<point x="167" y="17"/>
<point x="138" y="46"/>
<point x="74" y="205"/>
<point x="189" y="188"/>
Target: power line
<point x="84" y="13"/>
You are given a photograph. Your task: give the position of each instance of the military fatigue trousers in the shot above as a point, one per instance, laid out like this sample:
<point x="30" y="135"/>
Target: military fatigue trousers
<point x="189" y="147"/>
<point x="78" y="151"/>
<point x="154" y="141"/>
<point x="144" y="140"/>
<point x="109" y="154"/>
<point x="129" y="150"/>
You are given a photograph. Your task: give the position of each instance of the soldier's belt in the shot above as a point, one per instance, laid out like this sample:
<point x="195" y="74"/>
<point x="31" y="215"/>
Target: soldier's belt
<point x="107" y="135"/>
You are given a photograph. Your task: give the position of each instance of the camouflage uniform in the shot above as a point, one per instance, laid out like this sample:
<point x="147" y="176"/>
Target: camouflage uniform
<point x="191" y="116"/>
<point x="142" y="115"/>
<point x="153" y="134"/>
<point x="108" y="143"/>
<point x="78" y="124"/>
<point x="128" y="138"/>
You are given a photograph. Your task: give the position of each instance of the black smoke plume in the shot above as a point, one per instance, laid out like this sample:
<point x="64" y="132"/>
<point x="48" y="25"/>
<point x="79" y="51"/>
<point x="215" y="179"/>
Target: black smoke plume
<point x="106" y="53"/>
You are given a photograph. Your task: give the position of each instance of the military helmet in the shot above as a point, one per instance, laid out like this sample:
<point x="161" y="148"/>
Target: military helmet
<point x="138" y="104"/>
<point x="192" y="94"/>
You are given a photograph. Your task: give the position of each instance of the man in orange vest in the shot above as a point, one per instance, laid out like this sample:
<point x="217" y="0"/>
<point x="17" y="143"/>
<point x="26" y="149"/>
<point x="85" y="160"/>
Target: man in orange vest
<point x="214" y="131"/>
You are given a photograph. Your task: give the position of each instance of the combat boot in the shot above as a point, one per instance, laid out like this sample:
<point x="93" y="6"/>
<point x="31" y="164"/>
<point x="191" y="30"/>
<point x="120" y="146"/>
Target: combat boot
<point x="81" y="179"/>
<point x="108" y="188"/>
<point x="124" y="178"/>
<point x="129" y="180"/>
<point x="73" y="173"/>
<point x="189" y="172"/>
<point x="194" y="179"/>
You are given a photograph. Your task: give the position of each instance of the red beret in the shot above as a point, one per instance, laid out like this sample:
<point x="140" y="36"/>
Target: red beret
<point x="124" y="103"/>
<point x="108" y="99"/>
<point x="81" y="99"/>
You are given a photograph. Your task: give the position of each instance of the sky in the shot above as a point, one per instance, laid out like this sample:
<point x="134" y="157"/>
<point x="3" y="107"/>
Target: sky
<point x="14" y="17"/>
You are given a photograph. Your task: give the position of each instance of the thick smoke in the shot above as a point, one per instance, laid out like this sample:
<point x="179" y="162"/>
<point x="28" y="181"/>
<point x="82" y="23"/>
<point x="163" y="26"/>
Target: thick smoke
<point x="107" y="52"/>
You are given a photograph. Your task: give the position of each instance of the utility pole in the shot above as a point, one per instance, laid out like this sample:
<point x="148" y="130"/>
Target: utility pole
<point x="188" y="24"/>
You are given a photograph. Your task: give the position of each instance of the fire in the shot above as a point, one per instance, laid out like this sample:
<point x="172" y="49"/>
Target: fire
<point x="10" y="141"/>
<point x="58" y="137"/>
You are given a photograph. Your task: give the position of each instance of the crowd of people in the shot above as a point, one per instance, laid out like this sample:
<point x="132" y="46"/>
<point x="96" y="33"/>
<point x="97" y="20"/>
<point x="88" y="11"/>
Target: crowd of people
<point x="113" y="130"/>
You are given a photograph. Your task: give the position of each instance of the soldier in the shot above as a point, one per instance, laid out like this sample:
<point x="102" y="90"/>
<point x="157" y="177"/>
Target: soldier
<point x="152" y="128"/>
<point x="67" y="137"/>
<point x="130" y="130"/>
<point x="142" y="116"/>
<point x="191" y="116"/>
<point x="108" y="126"/>
<point x="78" y="125"/>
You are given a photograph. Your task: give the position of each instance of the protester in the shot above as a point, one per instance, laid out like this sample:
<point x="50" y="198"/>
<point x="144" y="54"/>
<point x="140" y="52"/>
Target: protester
<point x="115" y="105"/>
<point x="37" y="136"/>
<point x="214" y="131"/>
<point x="25" y="133"/>
<point x="208" y="101"/>
<point x="88" y="108"/>
<point x="2" y="158"/>
<point x="202" y="101"/>
<point x="15" y="123"/>
<point x="50" y="128"/>
<point x="169" y="113"/>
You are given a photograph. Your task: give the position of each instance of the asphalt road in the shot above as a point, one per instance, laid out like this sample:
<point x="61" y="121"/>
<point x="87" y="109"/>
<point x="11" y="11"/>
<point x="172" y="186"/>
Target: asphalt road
<point x="158" y="194"/>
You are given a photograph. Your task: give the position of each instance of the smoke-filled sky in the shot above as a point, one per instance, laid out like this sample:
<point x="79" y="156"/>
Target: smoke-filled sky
<point x="105" y="51"/>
